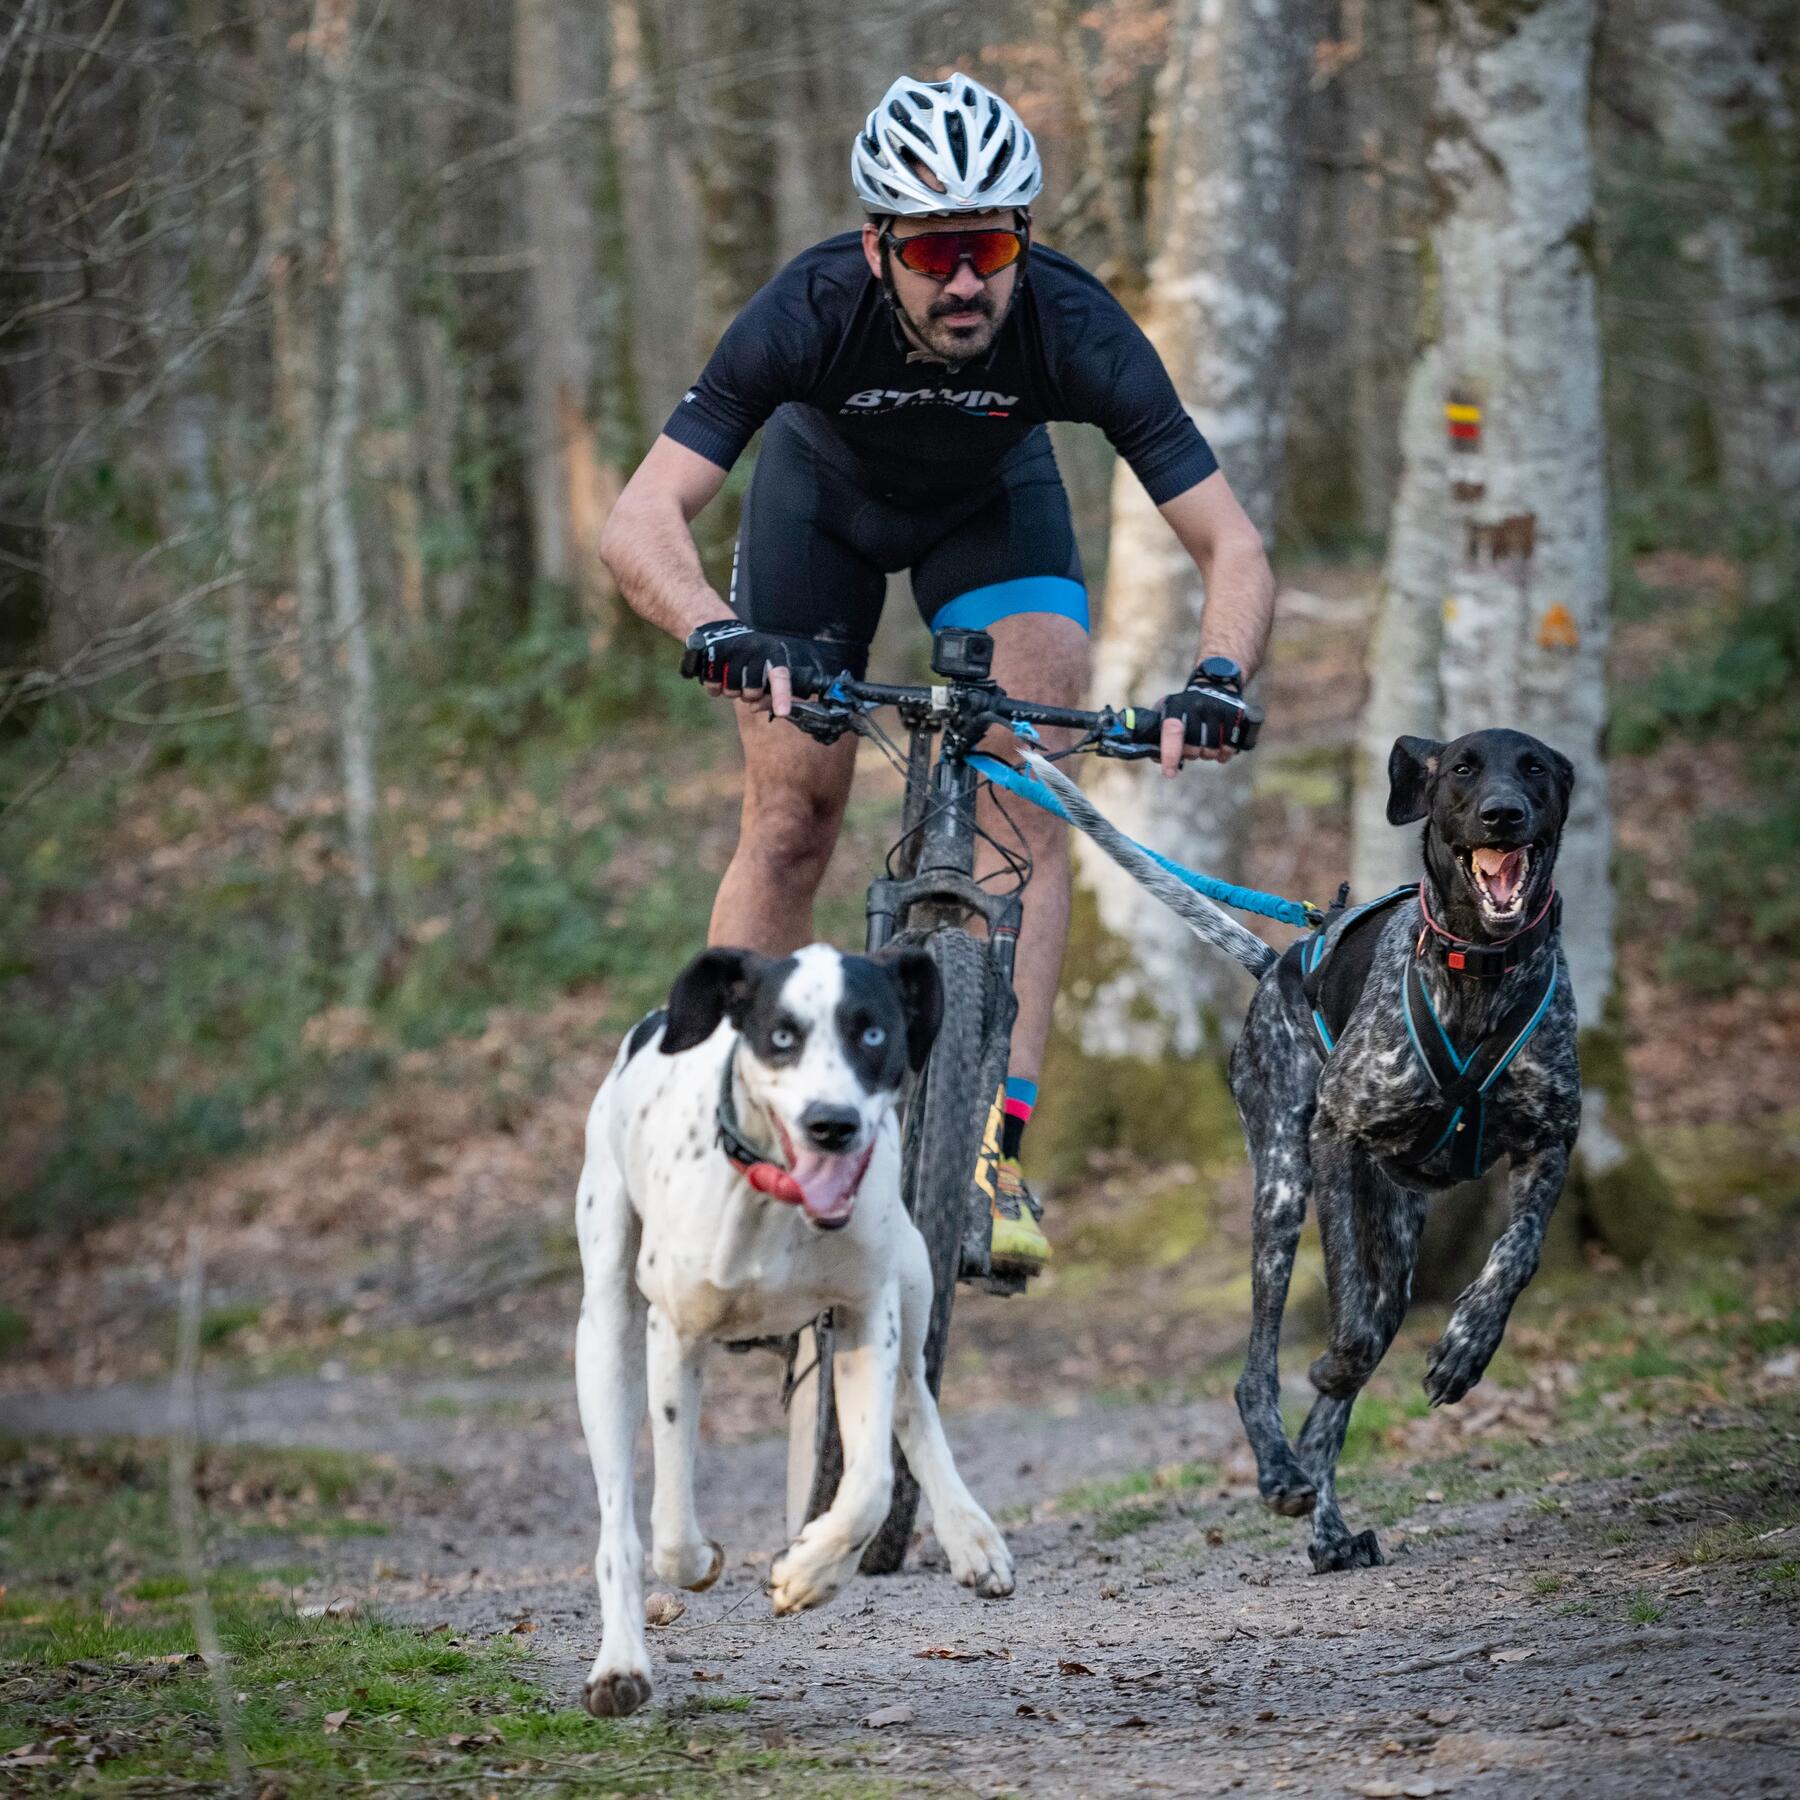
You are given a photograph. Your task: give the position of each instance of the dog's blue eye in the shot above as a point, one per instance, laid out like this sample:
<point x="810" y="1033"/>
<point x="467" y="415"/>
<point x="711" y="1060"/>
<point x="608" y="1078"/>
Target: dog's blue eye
<point x="784" y="1037"/>
<point x="874" y="1037"/>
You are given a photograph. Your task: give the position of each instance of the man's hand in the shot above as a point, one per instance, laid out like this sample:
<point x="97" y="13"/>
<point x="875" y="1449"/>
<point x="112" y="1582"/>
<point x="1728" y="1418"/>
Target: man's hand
<point x="760" y="668"/>
<point x="1208" y="719"/>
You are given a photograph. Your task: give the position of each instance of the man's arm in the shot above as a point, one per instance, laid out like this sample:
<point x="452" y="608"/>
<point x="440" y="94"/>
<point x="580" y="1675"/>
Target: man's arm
<point x="1240" y="591"/>
<point x="647" y="544"/>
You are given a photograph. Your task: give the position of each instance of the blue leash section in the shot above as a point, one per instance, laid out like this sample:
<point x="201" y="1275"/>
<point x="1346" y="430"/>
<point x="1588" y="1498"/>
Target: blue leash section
<point x="1268" y="906"/>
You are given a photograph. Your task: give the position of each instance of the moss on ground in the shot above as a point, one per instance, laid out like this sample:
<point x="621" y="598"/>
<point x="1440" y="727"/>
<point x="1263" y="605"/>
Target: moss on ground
<point x="101" y="1688"/>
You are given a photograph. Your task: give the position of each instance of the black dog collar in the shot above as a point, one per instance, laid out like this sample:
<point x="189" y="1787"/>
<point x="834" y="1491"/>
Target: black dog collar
<point x="1488" y="962"/>
<point x="765" y="1176"/>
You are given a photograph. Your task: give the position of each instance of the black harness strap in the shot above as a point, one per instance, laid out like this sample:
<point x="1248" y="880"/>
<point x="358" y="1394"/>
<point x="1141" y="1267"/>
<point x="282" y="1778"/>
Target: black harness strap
<point x="1329" y="971"/>
<point x="1462" y="1083"/>
<point x="1334" y="970"/>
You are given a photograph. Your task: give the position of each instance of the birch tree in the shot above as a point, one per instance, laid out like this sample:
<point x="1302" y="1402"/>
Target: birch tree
<point x="1499" y="555"/>
<point x="354" y="696"/>
<point x="1224" y="216"/>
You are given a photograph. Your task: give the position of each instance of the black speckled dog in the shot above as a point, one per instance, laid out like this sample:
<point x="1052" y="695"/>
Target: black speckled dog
<point x="1406" y="1047"/>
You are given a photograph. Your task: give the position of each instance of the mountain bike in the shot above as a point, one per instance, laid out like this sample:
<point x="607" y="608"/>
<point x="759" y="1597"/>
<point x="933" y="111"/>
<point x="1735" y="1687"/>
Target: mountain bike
<point x="928" y="897"/>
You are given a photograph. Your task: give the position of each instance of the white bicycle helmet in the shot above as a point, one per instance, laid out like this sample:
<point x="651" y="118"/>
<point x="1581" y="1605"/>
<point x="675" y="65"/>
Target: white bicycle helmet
<point x="962" y="133"/>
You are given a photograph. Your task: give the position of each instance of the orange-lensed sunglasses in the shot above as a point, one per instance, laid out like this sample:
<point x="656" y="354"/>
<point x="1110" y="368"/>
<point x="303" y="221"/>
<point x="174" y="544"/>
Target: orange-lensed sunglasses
<point x="937" y="255"/>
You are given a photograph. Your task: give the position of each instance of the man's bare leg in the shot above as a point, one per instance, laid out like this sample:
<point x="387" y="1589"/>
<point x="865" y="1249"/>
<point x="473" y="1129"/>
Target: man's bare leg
<point x="1037" y="656"/>
<point x="794" y="797"/>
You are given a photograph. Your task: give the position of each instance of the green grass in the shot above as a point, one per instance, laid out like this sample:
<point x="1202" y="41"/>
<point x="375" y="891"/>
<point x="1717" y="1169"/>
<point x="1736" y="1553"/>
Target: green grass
<point x="1645" y="1609"/>
<point x="220" y="1324"/>
<point x="97" y="1663"/>
<point x="1132" y="1503"/>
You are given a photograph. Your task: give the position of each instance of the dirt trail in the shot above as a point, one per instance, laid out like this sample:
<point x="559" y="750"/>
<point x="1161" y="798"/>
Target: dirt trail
<point x="1177" y="1647"/>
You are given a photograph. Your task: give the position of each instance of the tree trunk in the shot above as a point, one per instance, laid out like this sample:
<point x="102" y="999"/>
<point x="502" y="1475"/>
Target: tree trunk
<point x="1403" y="650"/>
<point x="289" y="175"/>
<point x="1711" y="74"/>
<point x="1502" y="520"/>
<point x="1227" y="204"/>
<point x="1384" y="222"/>
<point x="355" y="694"/>
<point x="553" y="61"/>
<point x="735" y="170"/>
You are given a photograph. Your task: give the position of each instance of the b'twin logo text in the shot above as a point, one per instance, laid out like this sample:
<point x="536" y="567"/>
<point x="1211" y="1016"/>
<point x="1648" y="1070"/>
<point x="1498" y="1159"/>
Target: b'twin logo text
<point x="982" y="402"/>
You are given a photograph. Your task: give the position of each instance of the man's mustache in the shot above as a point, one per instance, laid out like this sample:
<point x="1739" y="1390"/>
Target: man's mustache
<point x="980" y="303"/>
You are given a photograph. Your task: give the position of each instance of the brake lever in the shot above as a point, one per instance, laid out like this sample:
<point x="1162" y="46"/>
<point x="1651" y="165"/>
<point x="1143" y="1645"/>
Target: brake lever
<point x="823" y="724"/>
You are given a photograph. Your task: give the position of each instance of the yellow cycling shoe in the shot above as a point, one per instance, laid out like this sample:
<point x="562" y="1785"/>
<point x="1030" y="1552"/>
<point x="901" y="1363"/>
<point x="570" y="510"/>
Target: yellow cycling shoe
<point x="1018" y="1245"/>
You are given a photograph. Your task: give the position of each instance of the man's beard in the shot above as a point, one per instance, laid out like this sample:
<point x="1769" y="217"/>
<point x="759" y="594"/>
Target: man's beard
<point x="959" y="343"/>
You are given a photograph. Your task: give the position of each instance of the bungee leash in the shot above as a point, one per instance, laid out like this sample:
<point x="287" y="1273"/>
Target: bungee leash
<point x="1301" y="913"/>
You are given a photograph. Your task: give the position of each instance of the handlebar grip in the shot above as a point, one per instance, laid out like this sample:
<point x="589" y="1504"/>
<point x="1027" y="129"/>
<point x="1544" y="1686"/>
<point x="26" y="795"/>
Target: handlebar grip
<point x="1143" y="725"/>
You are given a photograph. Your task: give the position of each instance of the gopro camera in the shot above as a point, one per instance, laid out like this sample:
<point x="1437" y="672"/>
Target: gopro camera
<point x="962" y="655"/>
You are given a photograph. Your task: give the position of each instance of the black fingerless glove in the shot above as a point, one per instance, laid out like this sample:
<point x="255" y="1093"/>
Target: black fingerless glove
<point x="739" y="656"/>
<point x="1213" y="710"/>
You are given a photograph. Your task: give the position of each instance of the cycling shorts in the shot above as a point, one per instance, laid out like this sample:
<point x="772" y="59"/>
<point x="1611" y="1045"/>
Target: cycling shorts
<point x="818" y="540"/>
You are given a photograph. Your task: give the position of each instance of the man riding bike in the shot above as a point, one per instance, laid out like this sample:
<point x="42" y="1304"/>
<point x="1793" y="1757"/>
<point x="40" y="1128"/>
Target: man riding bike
<point x="902" y="378"/>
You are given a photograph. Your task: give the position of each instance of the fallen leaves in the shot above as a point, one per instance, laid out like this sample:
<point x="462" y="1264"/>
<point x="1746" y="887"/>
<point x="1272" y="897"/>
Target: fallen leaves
<point x="1511" y="1656"/>
<point x="884" y="1716"/>
<point x="1416" y="1789"/>
<point x="663" y="1608"/>
<point x="1073" y="1668"/>
<point x="956" y="1653"/>
<point x="334" y="1722"/>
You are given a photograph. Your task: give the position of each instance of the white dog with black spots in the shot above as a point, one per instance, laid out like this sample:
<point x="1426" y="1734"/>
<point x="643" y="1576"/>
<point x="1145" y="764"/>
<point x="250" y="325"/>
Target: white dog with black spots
<point x="803" y="1059"/>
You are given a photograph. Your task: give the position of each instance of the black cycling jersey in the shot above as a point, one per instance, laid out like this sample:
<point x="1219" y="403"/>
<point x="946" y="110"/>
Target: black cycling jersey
<point x="822" y="334"/>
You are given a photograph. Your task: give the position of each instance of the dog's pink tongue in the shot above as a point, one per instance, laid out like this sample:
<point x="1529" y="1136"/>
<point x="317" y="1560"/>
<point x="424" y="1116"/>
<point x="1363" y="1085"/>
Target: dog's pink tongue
<point x="827" y="1184"/>
<point x="1502" y="871"/>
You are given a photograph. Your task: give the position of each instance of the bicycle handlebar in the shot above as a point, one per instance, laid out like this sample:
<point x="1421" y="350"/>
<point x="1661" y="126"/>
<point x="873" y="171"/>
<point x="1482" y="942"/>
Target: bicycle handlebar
<point x="1130" y="734"/>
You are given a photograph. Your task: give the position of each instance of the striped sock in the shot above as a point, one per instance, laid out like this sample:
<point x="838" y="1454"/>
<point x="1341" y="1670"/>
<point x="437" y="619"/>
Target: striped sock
<point x="1021" y="1099"/>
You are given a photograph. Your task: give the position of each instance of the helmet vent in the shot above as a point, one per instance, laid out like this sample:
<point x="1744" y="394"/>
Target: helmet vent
<point x="958" y="137"/>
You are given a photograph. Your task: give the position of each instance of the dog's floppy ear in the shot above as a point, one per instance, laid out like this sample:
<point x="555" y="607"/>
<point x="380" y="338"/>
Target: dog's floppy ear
<point x="921" y="999"/>
<point x="714" y="983"/>
<point x="1411" y="764"/>
<point x="1565" y="777"/>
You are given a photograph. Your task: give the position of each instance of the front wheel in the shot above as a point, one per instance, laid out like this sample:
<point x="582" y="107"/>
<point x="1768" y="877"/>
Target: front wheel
<point x="945" y="1113"/>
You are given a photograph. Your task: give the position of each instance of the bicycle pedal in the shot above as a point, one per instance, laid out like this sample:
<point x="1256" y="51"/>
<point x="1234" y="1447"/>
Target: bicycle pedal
<point x="1003" y="1284"/>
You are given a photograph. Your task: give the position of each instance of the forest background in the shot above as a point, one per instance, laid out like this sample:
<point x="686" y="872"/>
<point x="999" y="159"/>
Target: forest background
<point x="348" y="816"/>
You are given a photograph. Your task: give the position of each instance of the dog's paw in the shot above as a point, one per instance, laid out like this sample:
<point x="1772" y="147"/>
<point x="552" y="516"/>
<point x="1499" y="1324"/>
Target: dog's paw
<point x="809" y="1572"/>
<point x="978" y="1555"/>
<point x="1360" y="1552"/>
<point x="1286" y="1488"/>
<point x="612" y="1693"/>
<point x="1453" y="1365"/>
<point x="692" y="1566"/>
